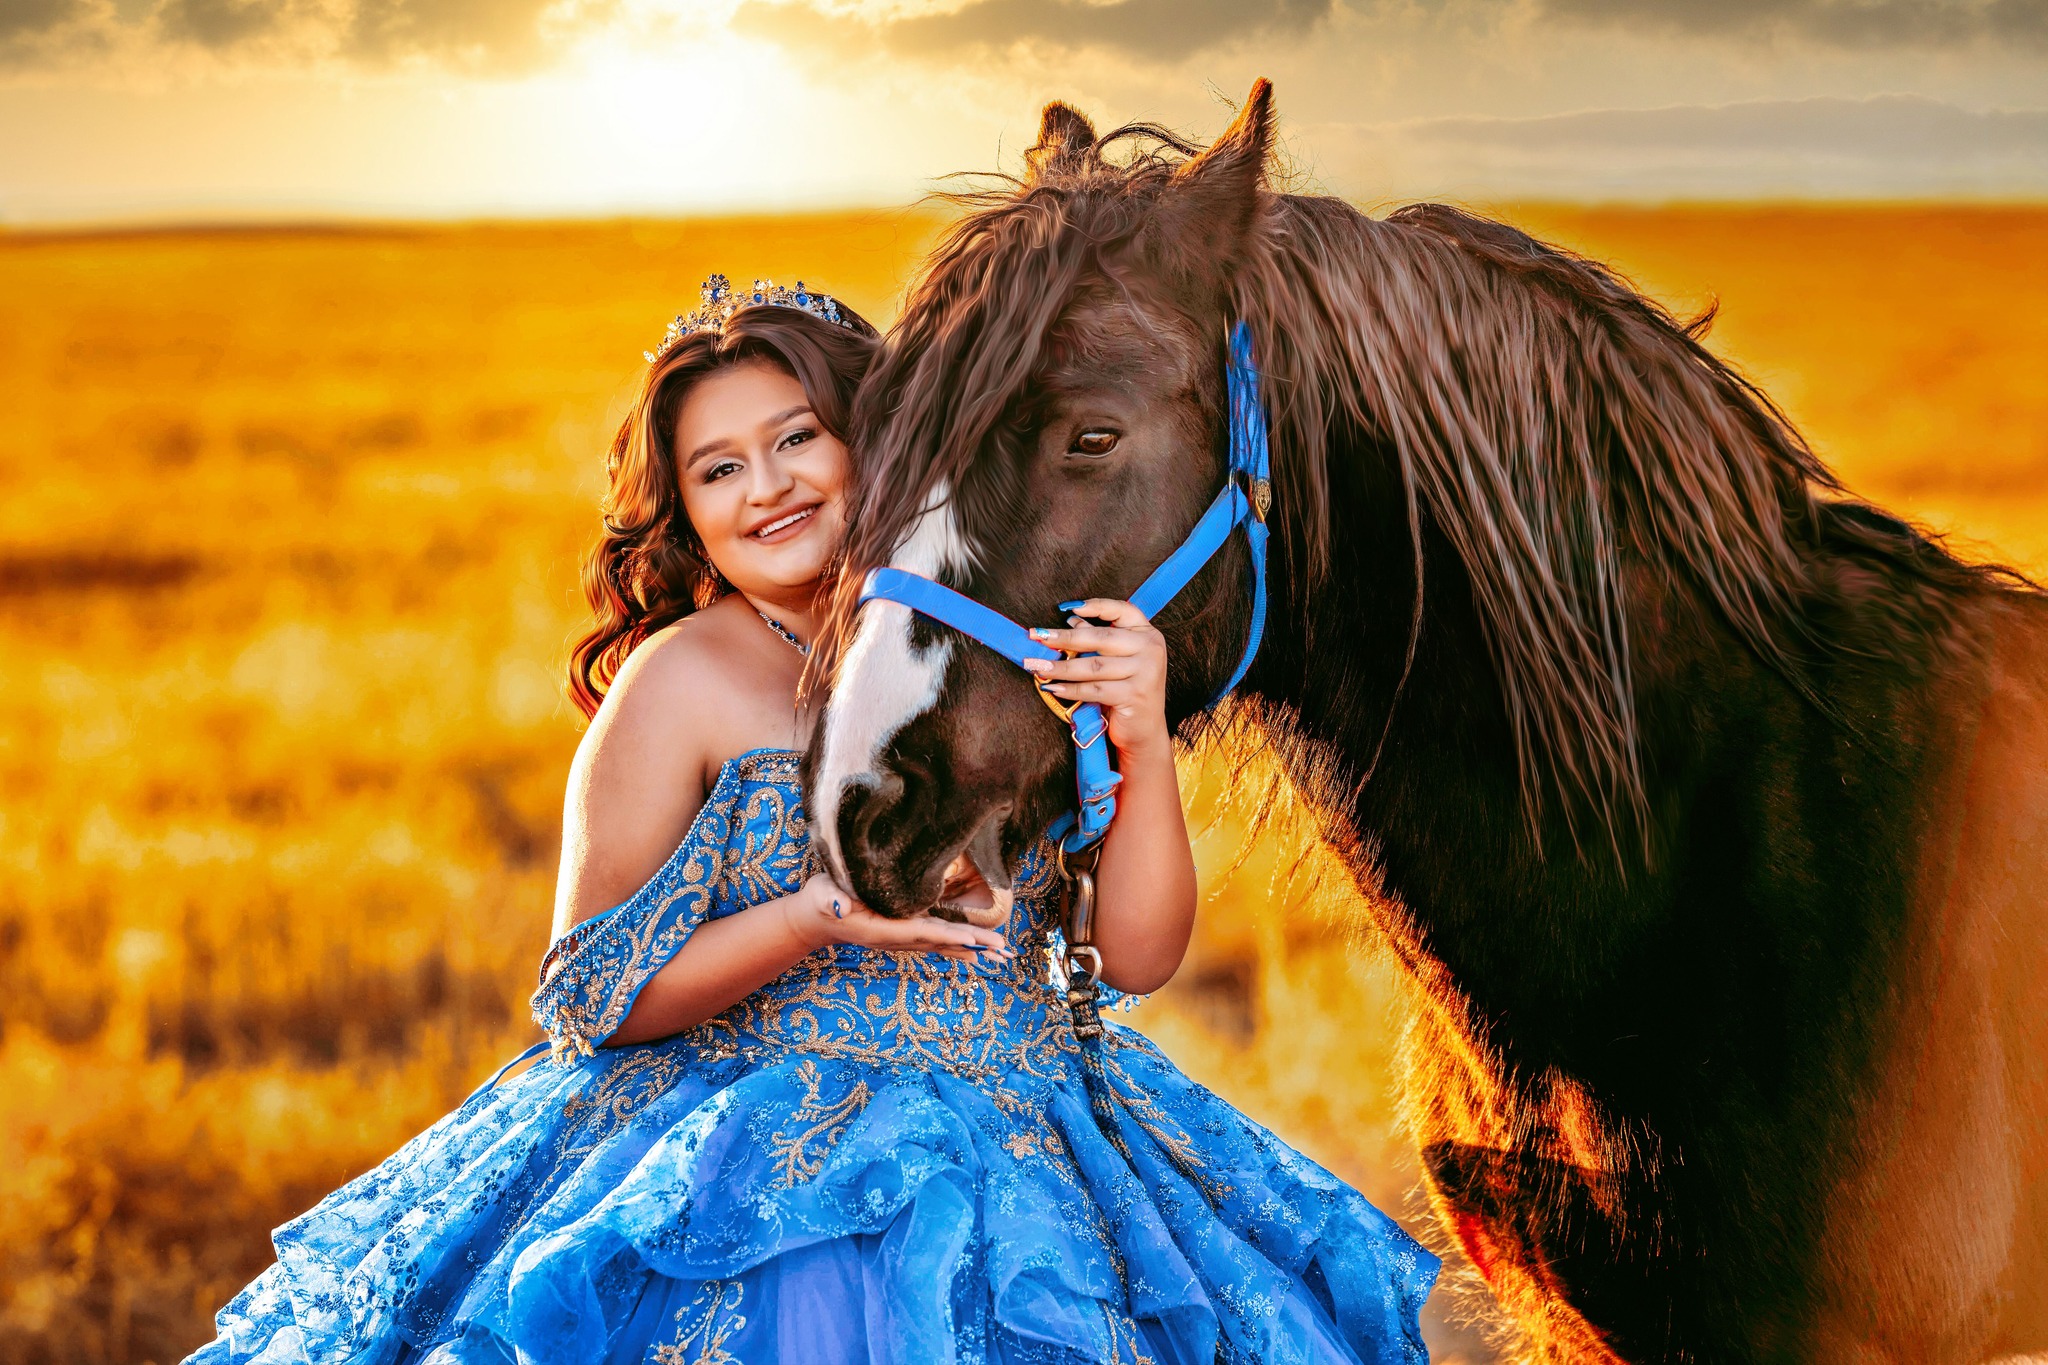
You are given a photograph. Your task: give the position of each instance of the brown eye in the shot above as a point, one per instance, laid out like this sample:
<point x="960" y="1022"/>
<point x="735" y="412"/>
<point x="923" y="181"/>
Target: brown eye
<point x="1094" y="443"/>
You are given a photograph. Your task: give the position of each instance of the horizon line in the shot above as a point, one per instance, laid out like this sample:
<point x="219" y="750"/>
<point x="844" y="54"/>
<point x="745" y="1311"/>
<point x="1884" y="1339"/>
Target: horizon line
<point x="371" y="221"/>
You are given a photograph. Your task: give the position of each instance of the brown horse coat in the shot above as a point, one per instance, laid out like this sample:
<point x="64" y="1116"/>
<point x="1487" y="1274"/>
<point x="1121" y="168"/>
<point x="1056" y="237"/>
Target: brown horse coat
<point x="1706" y="807"/>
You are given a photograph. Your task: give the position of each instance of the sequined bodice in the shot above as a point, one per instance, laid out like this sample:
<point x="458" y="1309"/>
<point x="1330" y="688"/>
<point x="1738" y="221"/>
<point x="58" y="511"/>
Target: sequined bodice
<point x="751" y="843"/>
<point x="984" y="1021"/>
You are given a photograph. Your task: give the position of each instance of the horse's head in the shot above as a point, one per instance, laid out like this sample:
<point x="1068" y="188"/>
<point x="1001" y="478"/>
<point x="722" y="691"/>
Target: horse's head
<point x="1047" y="422"/>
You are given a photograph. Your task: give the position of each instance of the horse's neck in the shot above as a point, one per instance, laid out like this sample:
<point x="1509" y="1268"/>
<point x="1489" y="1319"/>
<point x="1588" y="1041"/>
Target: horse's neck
<point x="1440" y="814"/>
<point x="1766" y="830"/>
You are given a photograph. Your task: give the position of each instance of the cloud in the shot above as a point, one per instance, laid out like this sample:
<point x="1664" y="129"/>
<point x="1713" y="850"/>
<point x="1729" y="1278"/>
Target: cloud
<point x="1889" y="145"/>
<point x="493" y="35"/>
<point x="32" y="30"/>
<point x="1837" y="23"/>
<point x="220" y="24"/>
<point x="1144" y="30"/>
<point x="1167" y="31"/>
<point x="487" y="32"/>
<point x="27" y="18"/>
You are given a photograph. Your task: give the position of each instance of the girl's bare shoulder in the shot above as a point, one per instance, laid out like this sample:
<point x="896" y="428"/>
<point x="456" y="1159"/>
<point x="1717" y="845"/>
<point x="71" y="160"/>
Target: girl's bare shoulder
<point x="693" y="657"/>
<point x="702" y="689"/>
<point x="643" y="768"/>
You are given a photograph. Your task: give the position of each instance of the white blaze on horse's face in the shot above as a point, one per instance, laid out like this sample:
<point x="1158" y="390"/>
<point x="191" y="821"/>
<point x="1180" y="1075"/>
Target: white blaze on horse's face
<point x="885" y="681"/>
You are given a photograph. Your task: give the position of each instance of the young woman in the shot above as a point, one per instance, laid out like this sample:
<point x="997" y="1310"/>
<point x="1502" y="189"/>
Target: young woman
<point x="777" y="1126"/>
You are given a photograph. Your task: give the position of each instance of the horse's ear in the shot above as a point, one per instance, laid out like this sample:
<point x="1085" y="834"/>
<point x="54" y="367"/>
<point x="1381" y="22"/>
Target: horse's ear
<point x="1065" y="146"/>
<point x="1216" y="194"/>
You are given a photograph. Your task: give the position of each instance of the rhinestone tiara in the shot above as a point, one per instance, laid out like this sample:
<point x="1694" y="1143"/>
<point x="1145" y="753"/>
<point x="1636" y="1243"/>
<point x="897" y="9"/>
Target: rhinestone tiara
<point x="721" y="301"/>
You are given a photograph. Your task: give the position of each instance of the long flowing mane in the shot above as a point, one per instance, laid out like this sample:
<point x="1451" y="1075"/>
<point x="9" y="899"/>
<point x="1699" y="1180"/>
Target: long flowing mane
<point x="1552" y="424"/>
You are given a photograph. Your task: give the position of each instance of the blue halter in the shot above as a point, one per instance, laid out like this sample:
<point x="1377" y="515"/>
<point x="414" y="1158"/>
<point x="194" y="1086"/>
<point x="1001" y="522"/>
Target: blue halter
<point x="1246" y="495"/>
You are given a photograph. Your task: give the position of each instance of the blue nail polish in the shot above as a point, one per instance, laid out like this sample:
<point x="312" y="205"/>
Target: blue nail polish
<point x="838" y="912"/>
<point x="1073" y="605"/>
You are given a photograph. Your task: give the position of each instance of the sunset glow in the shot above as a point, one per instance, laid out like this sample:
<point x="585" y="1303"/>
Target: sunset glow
<point x="428" y="107"/>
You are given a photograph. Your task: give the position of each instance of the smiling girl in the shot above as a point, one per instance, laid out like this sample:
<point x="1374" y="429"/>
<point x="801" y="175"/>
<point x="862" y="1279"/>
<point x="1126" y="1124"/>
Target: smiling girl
<point x="777" y="1126"/>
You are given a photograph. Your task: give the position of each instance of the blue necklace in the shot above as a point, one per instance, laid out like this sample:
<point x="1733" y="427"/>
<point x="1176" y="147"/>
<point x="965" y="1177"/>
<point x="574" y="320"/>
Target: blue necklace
<point x="784" y="631"/>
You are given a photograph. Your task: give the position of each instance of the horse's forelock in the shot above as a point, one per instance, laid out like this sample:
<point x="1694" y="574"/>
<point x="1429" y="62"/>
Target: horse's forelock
<point x="974" y="331"/>
<point x="967" y="343"/>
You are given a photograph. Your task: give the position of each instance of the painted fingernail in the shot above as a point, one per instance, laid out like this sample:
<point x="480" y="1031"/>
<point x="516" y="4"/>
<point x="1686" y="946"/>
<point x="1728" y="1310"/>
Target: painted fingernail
<point x="1037" y="665"/>
<point x="1039" y="633"/>
<point x="1074" y="605"/>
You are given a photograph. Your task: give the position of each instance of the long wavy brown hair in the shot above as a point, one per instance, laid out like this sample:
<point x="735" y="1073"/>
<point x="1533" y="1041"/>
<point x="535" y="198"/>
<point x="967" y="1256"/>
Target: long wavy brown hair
<point x="648" y="568"/>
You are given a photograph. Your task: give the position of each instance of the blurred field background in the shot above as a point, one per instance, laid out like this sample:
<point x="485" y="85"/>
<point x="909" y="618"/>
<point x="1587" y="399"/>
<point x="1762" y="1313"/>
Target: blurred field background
<point x="288" y="545"/>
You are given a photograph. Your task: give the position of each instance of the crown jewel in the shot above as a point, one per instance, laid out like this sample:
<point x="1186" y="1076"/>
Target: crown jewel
<point x="721" y="301"/>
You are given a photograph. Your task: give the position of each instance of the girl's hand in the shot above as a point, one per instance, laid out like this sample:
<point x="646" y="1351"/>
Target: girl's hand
<point x="821" y="913"/>
<point x="1125" y="675"/>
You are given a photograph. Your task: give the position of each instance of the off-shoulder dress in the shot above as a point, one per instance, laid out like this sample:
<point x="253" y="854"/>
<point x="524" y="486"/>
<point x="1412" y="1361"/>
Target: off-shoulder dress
<point x="874" y="1158"/>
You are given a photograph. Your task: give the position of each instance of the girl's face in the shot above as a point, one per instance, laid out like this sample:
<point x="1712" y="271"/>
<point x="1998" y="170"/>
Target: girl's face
<point x="762" y="482"/>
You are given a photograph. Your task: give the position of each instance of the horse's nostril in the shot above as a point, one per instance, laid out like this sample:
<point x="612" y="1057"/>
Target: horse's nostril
<point x="866" y="858"/>
<point x="856" y="815"/>
<point x="883" y="830"/>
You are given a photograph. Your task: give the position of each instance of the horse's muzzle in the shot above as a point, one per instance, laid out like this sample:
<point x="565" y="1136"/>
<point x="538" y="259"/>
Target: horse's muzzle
<point x="879" y="839"/>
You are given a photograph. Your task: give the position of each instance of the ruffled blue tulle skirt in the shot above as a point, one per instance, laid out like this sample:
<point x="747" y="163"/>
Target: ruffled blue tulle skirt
<point x="666" y="1204"/>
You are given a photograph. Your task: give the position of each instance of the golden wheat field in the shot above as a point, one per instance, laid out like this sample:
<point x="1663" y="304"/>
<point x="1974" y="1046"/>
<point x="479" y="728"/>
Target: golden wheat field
<point x="287" y="573"/>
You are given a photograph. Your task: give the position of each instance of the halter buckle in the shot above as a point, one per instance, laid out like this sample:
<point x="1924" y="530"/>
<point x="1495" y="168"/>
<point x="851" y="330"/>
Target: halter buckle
<point x="1258" y="492"/>
<point x="1063" y="709"/>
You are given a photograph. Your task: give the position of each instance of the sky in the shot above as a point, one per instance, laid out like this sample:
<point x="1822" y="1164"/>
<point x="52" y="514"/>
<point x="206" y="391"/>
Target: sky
<point x="171" y="110"/>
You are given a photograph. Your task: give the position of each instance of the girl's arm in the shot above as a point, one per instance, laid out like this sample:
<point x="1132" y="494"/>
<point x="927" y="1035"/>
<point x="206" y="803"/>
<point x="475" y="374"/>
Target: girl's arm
<point x="1145" y="883"/>
<point x="728" y="959"/>
<point x="636" y="785"/>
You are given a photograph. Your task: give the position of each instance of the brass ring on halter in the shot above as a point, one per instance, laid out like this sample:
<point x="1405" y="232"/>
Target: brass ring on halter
<point x="1085" y="859"/>
<point x="1088" y="975"/>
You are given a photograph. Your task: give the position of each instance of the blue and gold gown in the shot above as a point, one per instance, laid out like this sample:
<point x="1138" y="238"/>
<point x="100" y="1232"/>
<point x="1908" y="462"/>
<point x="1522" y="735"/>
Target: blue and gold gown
<point x="875" y="1158"/>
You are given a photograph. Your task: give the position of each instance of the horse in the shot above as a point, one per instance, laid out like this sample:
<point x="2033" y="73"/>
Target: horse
<point x="1704" y="806"/>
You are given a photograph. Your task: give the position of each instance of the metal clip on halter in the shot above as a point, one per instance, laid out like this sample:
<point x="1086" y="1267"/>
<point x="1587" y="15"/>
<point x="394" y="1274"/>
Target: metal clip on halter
<point x="1083" y="959"/>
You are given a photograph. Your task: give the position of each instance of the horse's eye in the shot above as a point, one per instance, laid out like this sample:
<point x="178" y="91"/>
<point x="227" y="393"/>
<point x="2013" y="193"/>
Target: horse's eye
<point x="1094" y="443"/>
